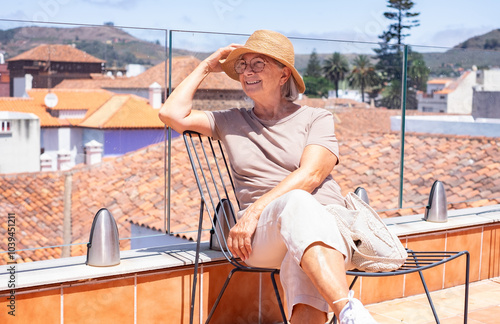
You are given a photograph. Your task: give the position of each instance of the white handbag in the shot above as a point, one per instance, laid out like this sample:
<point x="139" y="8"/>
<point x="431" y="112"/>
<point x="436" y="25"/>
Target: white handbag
<point x="375" y="247"/>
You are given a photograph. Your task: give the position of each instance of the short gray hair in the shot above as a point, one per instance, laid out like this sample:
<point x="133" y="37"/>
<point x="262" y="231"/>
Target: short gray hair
<point x="289" y="90"/>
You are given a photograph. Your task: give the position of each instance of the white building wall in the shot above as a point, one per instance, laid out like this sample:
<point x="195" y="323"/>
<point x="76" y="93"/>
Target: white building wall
<point x="20" y="147"/>
<point x="50" y="144"/>
<point x="434" y="103"/>
<point x="64" y="139"/>
<point x="491" y="81"/>
<point x="450" y="125"/>
<point x="460" y="100"/>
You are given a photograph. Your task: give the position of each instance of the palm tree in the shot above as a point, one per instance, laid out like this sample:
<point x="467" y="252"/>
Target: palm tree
<point x="363" y="74"/>
<point x="335" y="70"/>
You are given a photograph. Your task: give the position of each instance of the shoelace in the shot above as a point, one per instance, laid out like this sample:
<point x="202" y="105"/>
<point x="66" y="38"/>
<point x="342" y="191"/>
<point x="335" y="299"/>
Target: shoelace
<point x="349" y="297"/>
<point x="348" y="317"/>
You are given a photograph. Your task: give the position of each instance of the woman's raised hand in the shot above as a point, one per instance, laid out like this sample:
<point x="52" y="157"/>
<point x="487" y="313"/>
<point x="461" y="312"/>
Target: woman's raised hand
<point x="222" y="53"/>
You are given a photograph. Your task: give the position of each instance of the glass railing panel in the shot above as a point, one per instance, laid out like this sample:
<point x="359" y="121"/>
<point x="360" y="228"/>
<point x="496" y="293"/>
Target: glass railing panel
<point x="367" y="94"/>
<point x="81" y="132"/>
<point x="452" y="131"/>
<point x="369" y="150"/>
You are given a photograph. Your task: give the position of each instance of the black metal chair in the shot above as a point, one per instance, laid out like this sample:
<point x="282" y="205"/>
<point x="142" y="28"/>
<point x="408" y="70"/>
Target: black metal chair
<point x="418" y="262"/>
<point x="216" y="188"/>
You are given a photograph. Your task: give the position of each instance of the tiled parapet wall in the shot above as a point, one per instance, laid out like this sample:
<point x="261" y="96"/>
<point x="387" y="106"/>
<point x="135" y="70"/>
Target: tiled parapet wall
<point x="153" y="285"/>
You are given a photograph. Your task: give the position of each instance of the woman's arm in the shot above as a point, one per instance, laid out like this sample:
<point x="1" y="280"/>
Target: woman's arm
<point x="177" y="111"/>
<point x="316" y="163"/>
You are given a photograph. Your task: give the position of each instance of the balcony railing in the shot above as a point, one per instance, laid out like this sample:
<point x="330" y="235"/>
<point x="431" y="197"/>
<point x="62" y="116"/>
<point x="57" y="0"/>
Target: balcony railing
<point x="53" y="181"/>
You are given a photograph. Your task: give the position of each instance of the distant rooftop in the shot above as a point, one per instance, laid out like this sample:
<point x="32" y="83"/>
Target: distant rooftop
<point x="56" y="53"/>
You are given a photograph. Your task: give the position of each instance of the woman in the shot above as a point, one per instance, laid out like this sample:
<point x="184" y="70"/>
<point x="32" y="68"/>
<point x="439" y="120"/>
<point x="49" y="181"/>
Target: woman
<point x="281" y="156"/>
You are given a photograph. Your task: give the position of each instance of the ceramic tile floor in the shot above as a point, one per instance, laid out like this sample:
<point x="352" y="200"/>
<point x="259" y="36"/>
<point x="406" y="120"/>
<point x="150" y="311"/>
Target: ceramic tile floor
<point x="484" y="306"/>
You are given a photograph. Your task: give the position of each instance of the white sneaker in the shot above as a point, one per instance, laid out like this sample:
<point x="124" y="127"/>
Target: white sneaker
<point x="354" y="312"/>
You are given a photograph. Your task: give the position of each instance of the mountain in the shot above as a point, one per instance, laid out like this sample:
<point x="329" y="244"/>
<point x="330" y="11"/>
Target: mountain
<point x="119" y="48"/>
<point x="109" y="43"/>
<point x="488" y="41"/>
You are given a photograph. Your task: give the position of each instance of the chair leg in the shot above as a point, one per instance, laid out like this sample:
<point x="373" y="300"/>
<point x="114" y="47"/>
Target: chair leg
<point x="196" y="261"/>
<point x="466" y="306"/>
<point x="276" y="291"/>
<point x="429" y="297"/>
<point x="229" y="276"/>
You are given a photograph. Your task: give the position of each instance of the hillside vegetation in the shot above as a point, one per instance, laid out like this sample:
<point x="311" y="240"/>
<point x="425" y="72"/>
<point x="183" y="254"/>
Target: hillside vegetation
<point x="119" y="48"/>
<point x="109" y="43"/>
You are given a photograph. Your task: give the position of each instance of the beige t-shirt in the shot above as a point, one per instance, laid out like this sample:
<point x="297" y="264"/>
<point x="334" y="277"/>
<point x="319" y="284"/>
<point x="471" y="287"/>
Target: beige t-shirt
<point x="263" y="152"/>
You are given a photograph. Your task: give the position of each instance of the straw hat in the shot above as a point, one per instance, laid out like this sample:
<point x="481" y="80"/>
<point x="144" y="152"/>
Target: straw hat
<point x="270" y="43"/>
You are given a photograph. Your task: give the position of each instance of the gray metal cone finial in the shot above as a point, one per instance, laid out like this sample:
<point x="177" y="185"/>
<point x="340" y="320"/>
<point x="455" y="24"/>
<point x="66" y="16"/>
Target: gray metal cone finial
<point x="361" y="193"/>
<point x="103" y="249"/>
<point x="437" y="209"/>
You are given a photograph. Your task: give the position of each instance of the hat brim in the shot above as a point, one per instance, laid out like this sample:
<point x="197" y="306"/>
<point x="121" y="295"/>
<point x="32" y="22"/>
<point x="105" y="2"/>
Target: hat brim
<point x="228" y="66"/>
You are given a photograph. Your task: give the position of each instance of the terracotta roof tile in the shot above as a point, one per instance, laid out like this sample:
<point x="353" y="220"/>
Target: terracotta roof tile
<point x="28" y="105"/>
<point x="58" y="53"/>
<point x="181" y="67"/>
<point x="89" y="100"/>
<point x="132" y="186"/>
<point x="73" y="99"/>
<point x="103" y="108"/>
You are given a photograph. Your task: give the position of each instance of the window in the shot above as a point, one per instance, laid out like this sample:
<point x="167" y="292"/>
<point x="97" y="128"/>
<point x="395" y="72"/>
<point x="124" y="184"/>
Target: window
<point x="5" y="127"/>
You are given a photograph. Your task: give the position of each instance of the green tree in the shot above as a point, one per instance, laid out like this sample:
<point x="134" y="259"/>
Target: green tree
<point x="418" y="72"/>
<point x="317" y="87"/>
<point x="404" y="19"/>
<point x="390" y="54"/>
<point x="363" y="74"/>
<point x="335" y="69"/>
<point x="392" y="96"/>
<point x="313" y="66"/>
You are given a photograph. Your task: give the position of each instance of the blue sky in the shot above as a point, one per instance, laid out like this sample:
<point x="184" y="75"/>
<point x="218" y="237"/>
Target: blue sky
<point x="443" y="23"/>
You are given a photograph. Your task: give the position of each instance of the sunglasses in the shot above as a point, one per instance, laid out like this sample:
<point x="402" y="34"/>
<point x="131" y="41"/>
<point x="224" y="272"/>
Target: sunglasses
<point x="256" y="65"/>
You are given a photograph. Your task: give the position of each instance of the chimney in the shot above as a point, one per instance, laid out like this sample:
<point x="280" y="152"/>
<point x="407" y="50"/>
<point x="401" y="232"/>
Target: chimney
<point x="28" y="84"/>
<point x="155" y="95"/>
<point x="63" y="160"/>
<point x="93" y="152"/>
<point x="45" y="162"/>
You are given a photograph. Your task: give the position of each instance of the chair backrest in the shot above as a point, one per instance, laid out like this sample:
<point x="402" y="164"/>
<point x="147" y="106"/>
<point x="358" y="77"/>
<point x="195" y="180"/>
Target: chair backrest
<point x="216" y="187"/>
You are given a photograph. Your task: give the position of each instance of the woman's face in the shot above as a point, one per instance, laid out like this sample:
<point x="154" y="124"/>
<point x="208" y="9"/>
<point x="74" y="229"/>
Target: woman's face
<point x="265" y="83"/>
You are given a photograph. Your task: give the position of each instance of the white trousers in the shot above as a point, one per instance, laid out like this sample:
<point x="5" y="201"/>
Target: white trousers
<point x="286" y="228"/>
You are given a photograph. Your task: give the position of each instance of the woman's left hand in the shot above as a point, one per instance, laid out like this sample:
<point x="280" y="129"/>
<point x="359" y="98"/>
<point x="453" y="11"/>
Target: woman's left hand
<point x="240" y="237"/>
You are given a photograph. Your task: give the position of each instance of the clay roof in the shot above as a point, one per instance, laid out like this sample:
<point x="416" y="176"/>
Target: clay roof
<point x="132" y="186"/>
<point x="58" y="53"/>
<point x="37" y="201"/>
<point x="453" y="84"/>
<point x="440" y="81"/>
<point x="103" y="108"/>
<point x="89" y="100"/>
<point x="124" y="111"/>
<point x="83" y="99"/>
<point x="181" y="67"/>
<point x="29" y="105"/>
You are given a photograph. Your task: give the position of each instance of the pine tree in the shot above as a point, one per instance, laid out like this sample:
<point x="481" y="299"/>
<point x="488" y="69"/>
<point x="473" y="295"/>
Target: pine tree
<point x="313" y="66"/>
<point x="404" y="20"/>
<point x="390" y="55"/>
